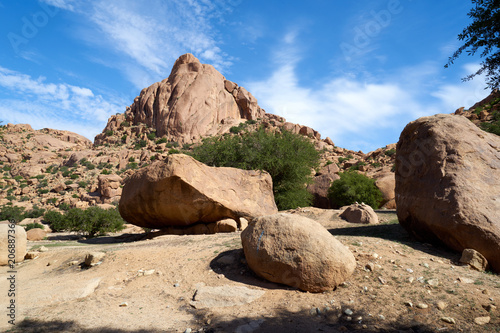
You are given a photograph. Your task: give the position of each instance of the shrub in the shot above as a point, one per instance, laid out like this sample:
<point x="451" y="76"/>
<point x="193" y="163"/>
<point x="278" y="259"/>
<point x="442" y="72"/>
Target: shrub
<point x="124" y="138"/>
<point x="132" y="166"/>
<point x="64" y="206"/>
<point x="34" y="213"/>
<point x="125" y="124"/>
<point x="12" y="213"/>
<point x="162" y="140"/>
<point x="354" y="187"/>
<point x="390" y="152"/>
<point x="493" y="127"/>
<point x="287" y="157"/>
<point x="141" y="144"/>
<point x="174" y="151"/>
<point x="152" y="136"/>
<point x="82" y="184"/>
<point x="33" y="226"/>
<point x="109" y="133"/>
<point x="91" y="221"/>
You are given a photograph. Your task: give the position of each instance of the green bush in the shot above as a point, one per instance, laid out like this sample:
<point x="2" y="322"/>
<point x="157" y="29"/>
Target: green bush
<point x="33" y="226"/>
<point x="287" y="157"/>
<point x="354" y="187"/>
<point x="12" y="213"/>
<point x="91" y="221"/>
<point x="390" y="152"/>
<point x="152" y="136"/>
<point x="493" y="127"/>
<point x="162" y="140"/>
<point x="34" y="213"/>
<point x="109" y="133"/>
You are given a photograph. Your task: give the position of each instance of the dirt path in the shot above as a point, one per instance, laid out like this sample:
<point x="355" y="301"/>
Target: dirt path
<point x="148" y="286"/>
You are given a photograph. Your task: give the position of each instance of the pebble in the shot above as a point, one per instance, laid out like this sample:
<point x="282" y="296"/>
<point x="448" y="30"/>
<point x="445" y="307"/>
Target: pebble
<point x="465" y="280"/>
<point x="422" y="306"/>
<point x="441" y="305"/>
<point x="482" y="320"/>
<point x="381" y="317"/>
<point x="188" y="330"/>
<point x="176" y="285"/>
<point x="381" y="280"/>
<point x="433" y="282"/>
<point x="448" y="320"/>
<point x="370" y="267"/>
<point x="486" y="292"/>
<point x="489" y="307"/>
<point x="73" y="263"/>
<point x="348" y="312"/>
<point x="149" y="272"/>
<point x="426" y="265"/>
<point x="411" y="279"/>
<point x="409" y="304"/>
<point x="409" y="270"/>
<point x="43" y="249"/>
<point x="123" y="304"/>
<point x="421" y="279"/>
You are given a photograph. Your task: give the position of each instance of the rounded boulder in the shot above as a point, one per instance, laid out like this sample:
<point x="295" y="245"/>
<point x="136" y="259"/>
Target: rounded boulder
<point x="296" y="251"/>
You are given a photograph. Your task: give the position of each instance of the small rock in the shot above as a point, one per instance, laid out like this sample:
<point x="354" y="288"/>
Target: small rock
<point x="433" y="282"/>
<point x="92" y="259"/>
<point x="489" y="307"/>
<point x="409" y="304"/>
<point x="375" y="255"/>
<point x="448" y="320"/>
<point x="422" y="306"/>
<point x="482" y="320"/>
<point x="188" y="330"/>
<point x="176" y="285"/>
<point x="318" y="311"/>
<point x="73" y="263"/>
<point x="486" y="292"/>
<point x="421" y="279"/>
<point x="149" y="272"/>
<point x="370" y="267"/>
<point x="474" y="259"/>
<point x="441" y="305"/>
<point x="426" y="265"/>
<point x="409" y="270"/>
<point x="43" y="249"/>
<point x="411" y="279"/>
<point x="348" y="312"/>
<point x="123" y="304"/>
<point x="381" y="317"/>
<point x="381" y="280"/>
<point x="31" y="255"/>
<point x="465" y="280"/>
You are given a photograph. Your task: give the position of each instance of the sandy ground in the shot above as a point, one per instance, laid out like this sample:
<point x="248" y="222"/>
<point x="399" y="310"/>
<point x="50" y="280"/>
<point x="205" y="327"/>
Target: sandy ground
<point x="148" y="286"/>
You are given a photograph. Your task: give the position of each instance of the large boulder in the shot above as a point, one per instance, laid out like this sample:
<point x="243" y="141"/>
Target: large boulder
<point x="17" y="251"/>
<point x="359" y="213"/>
<point x="448" y="184"/>
<point x="296" y="251"/>
<point x="181" y="191"/>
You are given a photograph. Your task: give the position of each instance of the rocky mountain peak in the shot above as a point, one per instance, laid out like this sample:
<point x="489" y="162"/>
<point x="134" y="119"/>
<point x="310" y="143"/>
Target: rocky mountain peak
<point x="195" y="101"/>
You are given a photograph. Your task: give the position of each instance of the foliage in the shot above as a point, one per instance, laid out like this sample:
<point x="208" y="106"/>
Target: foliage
<point x="152" y="136"/>
<point x="483" y="34"/>
<point x="91" y="221"/>
<point x="354" y="187"/>
<point x="12" y="213"/>
<point x="162" y="140"/>
<point x="34" y="213"/>
<point x="287" y="157"/>
<point x="33" y="226"/>
<point x="493" y="127"/>
<point x="109" y="133"/>
<point x="390" y="152"/>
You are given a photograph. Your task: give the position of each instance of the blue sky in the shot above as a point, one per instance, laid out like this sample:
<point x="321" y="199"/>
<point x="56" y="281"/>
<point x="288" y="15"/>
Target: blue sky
<point x="356" y="71"/>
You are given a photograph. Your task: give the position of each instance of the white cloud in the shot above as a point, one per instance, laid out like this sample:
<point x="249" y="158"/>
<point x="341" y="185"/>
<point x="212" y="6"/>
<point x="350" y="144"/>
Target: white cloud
<point x="62" y="105"/>
<point x="361" y="113"/>
<point x="147" y="38"/>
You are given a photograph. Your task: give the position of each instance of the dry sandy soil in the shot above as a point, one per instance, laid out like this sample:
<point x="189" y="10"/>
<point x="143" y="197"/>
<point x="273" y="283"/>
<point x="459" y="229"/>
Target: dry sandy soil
<point x="396" y="287"/>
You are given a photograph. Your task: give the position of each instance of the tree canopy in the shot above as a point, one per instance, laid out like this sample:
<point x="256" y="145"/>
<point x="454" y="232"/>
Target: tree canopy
<point x="483" y="34"/>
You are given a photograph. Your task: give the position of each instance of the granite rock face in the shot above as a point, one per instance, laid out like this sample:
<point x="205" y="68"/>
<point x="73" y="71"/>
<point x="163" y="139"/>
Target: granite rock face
<point x="448" y="184"/>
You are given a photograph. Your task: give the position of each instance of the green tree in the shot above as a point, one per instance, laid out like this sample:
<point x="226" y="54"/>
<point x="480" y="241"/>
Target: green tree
<point x="354" y="187"/>
<point x="91" y="221"/>
<point x="287" y="157"/>
<point x="483" y="34"/>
